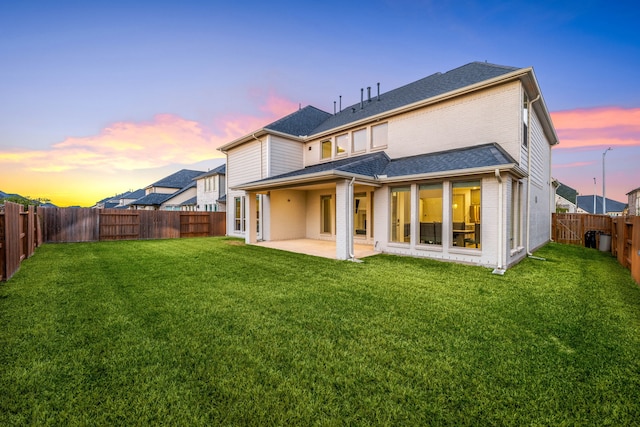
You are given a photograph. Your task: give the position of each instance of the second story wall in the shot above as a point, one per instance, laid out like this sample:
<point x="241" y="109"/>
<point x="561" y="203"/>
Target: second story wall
<point x="490" y="115"/>
<point x="284" y="155"/>
<point x="246" y="163"/>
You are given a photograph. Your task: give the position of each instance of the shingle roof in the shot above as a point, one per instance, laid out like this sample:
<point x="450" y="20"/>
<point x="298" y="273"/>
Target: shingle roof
<point x="300" y="123"/>
<point x="177" y="180"/>
<point x="478" y="156"/>
<point x="133" y="194"/>
<point x="567" y="193"/>
<point x="428" y="87"/>
<point x="220" y="170"/>
<point x="379" y="165"/>
<point x="586" y="204"/>
<point x="192" y="201"/>
<point x="152" y="199"/>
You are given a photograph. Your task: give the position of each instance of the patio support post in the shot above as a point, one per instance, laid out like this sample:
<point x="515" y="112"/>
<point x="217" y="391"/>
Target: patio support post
<point x="343" y="233"/>
<point x="251" y="218"/>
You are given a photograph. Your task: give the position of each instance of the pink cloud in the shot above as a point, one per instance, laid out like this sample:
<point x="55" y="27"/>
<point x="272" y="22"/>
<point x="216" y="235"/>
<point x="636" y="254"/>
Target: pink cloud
<point x="163" y="140"/>
<point x="597" y="127"/>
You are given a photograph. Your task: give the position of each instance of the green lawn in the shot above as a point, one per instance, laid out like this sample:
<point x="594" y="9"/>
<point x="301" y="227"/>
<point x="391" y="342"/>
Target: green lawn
<point x="213" y="332"/>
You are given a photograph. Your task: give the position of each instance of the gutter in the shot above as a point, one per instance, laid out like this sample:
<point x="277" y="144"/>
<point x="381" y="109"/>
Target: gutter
<point x="529" y="143"/>
<point x="310" y="178"/>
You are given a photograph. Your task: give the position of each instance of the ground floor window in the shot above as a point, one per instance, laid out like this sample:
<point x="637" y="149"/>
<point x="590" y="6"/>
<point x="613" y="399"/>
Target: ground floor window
<point x="360" y="209"/>
<point x="325" y="214"/>
<point x="239" y="224"/>
<point x="465" y="214"/>
<point x="400" y="214"/>
<point x="430" y="213"/>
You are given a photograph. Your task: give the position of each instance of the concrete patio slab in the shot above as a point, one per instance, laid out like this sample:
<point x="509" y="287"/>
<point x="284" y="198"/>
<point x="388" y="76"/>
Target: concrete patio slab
<point x="320" y="248"/>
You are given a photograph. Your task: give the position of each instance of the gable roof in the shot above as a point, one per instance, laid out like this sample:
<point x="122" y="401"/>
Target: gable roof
<point x="567" y="193"/>
<point x="379" y="168"/>
<point x="312" y="122"/>
<point x="152" y="199"/>
<point x="177" y="180"/>
<point x="300" y="123"/>
<point x="425" y="88"/>
<point x="220" y="170"/>
<point x="133" y="194"/>
<point x="586" y="204"/>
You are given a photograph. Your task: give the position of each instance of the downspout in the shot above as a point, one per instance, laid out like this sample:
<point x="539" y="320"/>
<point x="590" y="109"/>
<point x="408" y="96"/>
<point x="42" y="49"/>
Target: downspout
<point x="499" y="269"/>
<point x="352" y="255"/>
<point x="529" y="173"/>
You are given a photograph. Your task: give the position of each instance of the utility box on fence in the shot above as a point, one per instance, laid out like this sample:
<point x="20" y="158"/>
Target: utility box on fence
<point x="605" y="242"/>
<point x="590" y="239"/>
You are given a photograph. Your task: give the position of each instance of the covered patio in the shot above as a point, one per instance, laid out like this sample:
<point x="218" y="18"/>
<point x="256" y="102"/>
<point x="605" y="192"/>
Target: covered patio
<point x="320" y="248"/>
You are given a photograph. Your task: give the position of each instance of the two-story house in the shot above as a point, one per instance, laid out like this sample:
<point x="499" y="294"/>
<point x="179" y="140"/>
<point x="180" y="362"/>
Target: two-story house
<point x="211" y="190"/>
<point x="169" y="193"/>
<point x="455" y="166"/>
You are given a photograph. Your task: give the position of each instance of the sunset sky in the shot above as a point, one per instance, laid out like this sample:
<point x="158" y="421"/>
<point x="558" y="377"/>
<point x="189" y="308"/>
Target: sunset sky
<point x="102" y="97"/>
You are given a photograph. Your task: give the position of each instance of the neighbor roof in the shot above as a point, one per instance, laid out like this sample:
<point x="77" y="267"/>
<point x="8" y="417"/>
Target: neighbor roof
<point x="152" y="199"/>
<point x="567" y="193"/>
<point x="179" y="179"/>
<point x="220" y="170"/>
<point x="586" y="204"/>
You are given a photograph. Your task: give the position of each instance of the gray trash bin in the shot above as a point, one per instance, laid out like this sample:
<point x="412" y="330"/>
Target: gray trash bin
<point x="605" y="243"/>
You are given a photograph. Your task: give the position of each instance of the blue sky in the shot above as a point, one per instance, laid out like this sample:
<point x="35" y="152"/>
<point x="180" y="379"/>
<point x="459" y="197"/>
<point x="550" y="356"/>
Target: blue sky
<point x="100" y="97"/>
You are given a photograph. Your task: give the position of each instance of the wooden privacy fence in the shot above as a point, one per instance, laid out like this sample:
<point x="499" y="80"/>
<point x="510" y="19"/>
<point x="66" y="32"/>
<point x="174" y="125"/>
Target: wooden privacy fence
<point x="624" y="232"/>
<point x="19" y="237"/>
<point x="61" y="225"/>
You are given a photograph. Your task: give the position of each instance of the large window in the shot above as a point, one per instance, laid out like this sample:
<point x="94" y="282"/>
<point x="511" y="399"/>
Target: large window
<point x="379" y="135"/>
<point x="342" y="142"/>
<point x="465" y="214"/>
<point x="326" y="149"/>
<point x="360" y="214"/>
<point x="359" y="140"/>
<point x="401" y="214"/>
<point x="325" y="214"/>
<point x="430" y="213"/>
<point x="239" y="214"/>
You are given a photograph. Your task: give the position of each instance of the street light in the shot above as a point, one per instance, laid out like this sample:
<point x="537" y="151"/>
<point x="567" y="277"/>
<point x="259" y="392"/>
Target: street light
<point x="594" y="196"/>
<point x="604" y="197"/>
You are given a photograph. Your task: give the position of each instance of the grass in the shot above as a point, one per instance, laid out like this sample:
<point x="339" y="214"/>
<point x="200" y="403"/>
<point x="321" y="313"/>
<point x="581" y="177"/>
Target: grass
<point x="213" y="332"/>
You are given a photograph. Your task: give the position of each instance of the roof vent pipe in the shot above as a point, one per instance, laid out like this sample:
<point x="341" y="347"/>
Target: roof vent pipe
<point x="340" y="104"/>
<point x="368" y="93"/>
<point x="378" y="91"/>
<point x="334" y="108"/>
<point x="361" y="98"/>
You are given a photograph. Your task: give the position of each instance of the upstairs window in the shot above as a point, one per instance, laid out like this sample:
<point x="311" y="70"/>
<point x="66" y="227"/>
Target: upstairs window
<point x="379" y="135"/>
<point x="341" y="144"/>
<point x="326" y="149"/>
<point x="359" y="141"/>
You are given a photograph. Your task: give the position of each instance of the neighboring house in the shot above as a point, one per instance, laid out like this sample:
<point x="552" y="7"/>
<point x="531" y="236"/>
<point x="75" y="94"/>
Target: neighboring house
<point x="169" y="192"/>
<point x="566" y="199"/>
<point x="614" y="208"/>
<point x="211" y="190"/>
<point x="455" y="166"/>
<point x="119" y="201"/>
<point x="634" y="202"/>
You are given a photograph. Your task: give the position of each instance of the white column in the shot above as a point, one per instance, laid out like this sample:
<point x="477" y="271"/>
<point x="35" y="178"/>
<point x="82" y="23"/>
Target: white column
<point x="343" y="232"/>
<point x="250" y="218"/>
